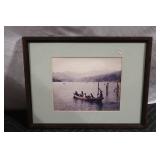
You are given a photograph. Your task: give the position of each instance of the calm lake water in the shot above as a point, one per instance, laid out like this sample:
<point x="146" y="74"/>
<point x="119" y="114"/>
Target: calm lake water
<point x="64" y="101"/>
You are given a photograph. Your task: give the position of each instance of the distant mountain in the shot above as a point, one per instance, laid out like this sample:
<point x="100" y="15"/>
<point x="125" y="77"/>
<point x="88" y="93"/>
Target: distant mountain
<point x="115" y="76"/>
<point x="56" y="80"/>
<point x="71" y="77"/>
<point x="62" y="77"/>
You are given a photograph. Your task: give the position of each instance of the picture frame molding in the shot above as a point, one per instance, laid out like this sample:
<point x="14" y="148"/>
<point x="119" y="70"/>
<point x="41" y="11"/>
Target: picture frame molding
<point x="148" y="48"/>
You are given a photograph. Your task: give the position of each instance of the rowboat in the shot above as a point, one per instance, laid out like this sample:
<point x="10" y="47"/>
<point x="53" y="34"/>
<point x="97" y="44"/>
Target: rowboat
<point x="97" y="100"/>
<point x="89" y="98"/>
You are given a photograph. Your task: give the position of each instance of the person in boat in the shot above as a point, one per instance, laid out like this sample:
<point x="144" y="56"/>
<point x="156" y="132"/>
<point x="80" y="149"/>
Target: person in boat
<point x="76" y="93"/>
<point x="92" y="96"/>
<point x="87" y="96"/>
<point x="81" y="94"/>
<point x="100" y="95"/>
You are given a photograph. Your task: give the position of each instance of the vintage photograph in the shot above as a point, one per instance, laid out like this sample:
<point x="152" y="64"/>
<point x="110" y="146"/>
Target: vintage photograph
<point x="86" y="84"/>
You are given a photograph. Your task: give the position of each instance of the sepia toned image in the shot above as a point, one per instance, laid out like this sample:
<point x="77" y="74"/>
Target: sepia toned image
<point x="86" y="84"/>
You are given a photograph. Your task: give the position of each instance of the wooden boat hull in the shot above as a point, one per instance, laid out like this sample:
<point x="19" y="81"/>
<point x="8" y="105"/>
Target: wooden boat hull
<point x="98" y="100"/>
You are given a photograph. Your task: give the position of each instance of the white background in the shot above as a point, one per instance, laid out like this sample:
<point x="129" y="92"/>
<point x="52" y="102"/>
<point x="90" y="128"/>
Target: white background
<point x="79" y="145"/>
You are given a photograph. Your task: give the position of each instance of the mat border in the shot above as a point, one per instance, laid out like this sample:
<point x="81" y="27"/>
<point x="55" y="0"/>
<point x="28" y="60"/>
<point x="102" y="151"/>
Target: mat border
<point x="147" y="40"/>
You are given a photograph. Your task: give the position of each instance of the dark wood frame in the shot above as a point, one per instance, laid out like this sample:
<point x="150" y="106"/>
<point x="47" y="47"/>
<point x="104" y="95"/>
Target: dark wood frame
<point x="147" y="40"/>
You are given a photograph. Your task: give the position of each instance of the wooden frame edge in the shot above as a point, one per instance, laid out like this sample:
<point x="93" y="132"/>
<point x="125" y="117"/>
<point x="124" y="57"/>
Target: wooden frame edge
<point x="147" y="40"/>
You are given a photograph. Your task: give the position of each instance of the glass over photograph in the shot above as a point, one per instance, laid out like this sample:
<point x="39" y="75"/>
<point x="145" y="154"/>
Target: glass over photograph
<point x="86" y="84"/>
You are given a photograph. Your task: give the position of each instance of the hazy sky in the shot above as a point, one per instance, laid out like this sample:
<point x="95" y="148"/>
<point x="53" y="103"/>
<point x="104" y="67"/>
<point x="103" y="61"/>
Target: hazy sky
<point x="86" y="65"/>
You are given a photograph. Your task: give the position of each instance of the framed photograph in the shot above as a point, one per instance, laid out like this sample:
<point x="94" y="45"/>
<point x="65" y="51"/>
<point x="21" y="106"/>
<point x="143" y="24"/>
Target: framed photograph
<point x="87" y="82"/>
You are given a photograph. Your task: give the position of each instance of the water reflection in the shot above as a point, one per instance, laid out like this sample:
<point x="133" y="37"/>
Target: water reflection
<point x="63" y="97"/>
<point x="82" y="103"/>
